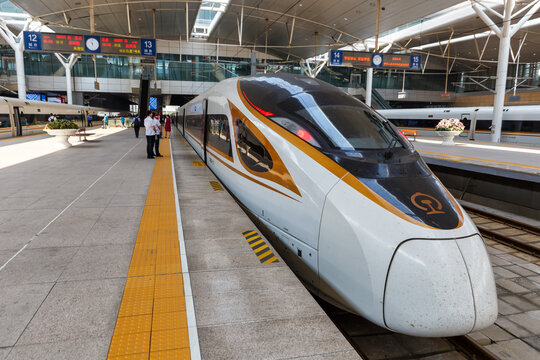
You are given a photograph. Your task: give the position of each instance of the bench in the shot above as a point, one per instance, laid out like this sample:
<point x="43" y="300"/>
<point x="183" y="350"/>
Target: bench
<point x="407" y="133"/>
<point x="82" y="134"/>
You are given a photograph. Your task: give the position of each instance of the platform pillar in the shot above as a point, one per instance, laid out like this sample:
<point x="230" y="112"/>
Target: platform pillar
<point x="17" y="44"/>
<point x="68" y="65"/>
<point x="369" y="85"/>
<point x="505" y="35"/>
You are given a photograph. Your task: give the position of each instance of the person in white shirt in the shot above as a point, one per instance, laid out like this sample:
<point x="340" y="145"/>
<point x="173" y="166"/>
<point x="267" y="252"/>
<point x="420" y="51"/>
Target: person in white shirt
<point x="51" y="118"/>
<point x="158" y="136"/>
<point x="150" y="129"/>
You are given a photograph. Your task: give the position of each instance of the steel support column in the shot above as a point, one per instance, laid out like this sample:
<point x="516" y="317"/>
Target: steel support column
<point x="68" y="65"/>
<point x="369" y="85"/>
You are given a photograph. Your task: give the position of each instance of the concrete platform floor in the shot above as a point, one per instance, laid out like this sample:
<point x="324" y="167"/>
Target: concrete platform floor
<point x="509" y="157"/>
<point x="68" y="222"/>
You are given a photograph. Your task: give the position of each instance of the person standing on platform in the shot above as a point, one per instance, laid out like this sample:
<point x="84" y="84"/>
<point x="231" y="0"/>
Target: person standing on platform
<point x="51" y="118"/>
<point x="89" y="120"/>
<point x="123" y="121"/>
<point x="106" y="122"/>
<point x="150" y="129"/>
<point x="157" y="125"/>
<point x="167" y="127"/>
<point x="136" y="125"/>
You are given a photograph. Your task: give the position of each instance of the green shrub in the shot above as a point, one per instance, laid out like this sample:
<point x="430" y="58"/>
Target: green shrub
<point x="62" y="124"/>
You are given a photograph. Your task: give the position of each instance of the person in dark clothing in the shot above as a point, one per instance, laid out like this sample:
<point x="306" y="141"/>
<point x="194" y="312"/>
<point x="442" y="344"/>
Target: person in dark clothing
<point x="136" y="125"/>
<point x="150" y="128"/>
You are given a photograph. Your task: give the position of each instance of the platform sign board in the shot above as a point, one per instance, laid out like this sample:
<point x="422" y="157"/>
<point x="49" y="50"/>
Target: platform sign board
<point x="376" y="60"/>
<point x="336" y="57"/>
<point x="32" y="40"/>
<point x="148" y="47"/>
<point x="89" y="44"/>
<point x="416" y="62"/>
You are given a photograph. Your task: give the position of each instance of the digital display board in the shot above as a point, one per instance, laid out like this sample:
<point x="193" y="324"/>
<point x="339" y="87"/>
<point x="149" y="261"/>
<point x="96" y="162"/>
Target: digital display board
<point x="120" y="46"/>
<point x="376" y="60"/>
<point x="62" y="43"/>
<point x="90" y="44"/>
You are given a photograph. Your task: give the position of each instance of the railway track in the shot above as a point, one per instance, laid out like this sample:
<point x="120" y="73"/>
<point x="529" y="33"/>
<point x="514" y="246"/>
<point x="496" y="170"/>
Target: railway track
<point x="515" y="234"/>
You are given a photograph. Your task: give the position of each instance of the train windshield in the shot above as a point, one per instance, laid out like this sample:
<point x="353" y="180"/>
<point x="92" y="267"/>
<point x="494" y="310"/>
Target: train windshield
<point x="319" y="113"/>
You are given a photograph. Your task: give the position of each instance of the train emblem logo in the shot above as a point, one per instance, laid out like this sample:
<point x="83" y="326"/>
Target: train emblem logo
<point x="427" y="203"/>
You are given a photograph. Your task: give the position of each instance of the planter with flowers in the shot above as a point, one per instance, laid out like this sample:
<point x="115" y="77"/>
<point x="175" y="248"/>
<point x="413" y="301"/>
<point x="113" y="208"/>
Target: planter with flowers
<point x="62" y="130"/>
<point x="448" y="129"/>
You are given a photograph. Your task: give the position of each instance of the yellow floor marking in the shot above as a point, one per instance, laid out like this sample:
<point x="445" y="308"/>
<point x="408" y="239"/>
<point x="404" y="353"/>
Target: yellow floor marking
<point x="152" y="322"/>
<point x="478" y="159"/>
<point x="22" y="137"/>
<point x="265" y="254"/>
<point x="257" y="243"/>
<point x="271" y="260"/>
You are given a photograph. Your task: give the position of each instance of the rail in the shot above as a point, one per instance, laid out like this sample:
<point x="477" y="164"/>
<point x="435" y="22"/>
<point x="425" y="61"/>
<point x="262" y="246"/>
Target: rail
<point x="529" y="247"/>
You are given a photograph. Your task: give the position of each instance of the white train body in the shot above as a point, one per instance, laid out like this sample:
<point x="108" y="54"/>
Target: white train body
<point x="521" y="124"/>
<point x="354" y="225"/>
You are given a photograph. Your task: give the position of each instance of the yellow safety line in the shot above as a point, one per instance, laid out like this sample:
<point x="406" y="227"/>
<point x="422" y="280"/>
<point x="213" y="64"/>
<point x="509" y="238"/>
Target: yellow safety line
<point x="22" y="137"/>
<point x="152" y="320"/>
<point x="478" y="159"/>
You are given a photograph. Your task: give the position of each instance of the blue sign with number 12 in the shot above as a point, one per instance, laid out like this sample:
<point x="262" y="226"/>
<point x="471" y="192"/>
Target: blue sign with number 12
<point x="32" y="41"/>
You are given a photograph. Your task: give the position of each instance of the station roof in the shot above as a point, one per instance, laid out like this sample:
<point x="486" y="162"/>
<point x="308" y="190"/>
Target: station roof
<point x="337" y="23"/>
<point x="299" y="29"/>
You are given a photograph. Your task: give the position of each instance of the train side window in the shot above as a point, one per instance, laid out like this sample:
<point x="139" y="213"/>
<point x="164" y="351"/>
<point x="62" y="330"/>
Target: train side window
<point x="194" y="124"/>
<point x="252" y="151"/>
<point x="219" y="134"/>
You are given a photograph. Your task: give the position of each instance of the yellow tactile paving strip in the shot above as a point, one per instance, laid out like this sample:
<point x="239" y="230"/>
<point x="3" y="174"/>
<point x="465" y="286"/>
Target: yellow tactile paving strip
<point x="152" y="322"/>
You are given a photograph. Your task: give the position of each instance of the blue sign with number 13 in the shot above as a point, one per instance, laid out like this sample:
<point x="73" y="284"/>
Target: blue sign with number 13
<point x="148" y="47"/>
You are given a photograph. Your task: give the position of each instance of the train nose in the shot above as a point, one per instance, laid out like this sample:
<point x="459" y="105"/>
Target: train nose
<point x="440" y="288"/>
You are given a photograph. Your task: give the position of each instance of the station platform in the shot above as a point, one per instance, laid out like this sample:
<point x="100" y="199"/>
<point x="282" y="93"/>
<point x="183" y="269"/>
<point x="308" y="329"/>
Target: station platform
<point x="105" y="254"/>
<point x="505" y="160"/>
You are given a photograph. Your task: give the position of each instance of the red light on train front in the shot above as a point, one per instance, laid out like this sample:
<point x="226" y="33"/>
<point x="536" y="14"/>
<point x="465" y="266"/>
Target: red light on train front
<point x="304" y="135"/>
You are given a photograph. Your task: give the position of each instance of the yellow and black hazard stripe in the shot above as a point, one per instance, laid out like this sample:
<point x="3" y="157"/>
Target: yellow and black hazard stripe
<point x="216" y="185"/>
<point x="198" y="163"/>
<point x="260" y="247"/>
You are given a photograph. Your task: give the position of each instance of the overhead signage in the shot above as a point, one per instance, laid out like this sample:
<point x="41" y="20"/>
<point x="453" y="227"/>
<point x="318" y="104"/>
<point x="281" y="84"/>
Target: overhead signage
<point x="89" y="44"/>
<point x="375" y="60"/>
<point x="153" y="103"/>
<point x="32" y="41"/>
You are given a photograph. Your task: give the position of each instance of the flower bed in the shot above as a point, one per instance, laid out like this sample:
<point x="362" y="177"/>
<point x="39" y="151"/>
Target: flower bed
<point x="451" y="124"/>
<point x="61" y="124"/>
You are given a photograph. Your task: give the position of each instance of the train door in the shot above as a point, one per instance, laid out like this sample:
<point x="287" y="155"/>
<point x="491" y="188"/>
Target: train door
<point x="472" y="127"/>
<point x="205" y="127"/>
<point x="17" y="120"/>
<point x="184" y="122"/>
<point x="465" y="119"/>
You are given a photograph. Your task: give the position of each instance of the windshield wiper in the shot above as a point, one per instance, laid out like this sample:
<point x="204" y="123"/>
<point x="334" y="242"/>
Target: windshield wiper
<point x="388" y="153"/>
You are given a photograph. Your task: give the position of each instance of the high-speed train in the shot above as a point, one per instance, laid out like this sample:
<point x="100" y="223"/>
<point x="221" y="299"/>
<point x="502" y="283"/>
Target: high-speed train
<point x="25" y="117"/>
<point x="521" y="124"/>
<point x="359" y="216"/>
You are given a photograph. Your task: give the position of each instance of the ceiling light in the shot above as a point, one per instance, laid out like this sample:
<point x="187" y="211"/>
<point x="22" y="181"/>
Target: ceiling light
<point x="345" y="19"/>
